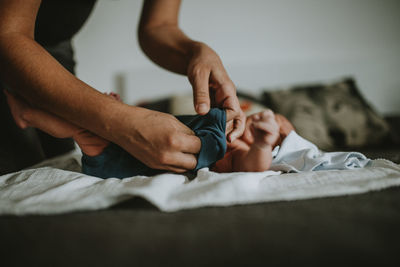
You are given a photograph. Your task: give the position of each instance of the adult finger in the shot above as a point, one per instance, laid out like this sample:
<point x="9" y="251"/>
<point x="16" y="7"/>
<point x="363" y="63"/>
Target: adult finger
<point x="183" y="161"/>
<point x="247" y="135"/>
<point x="175" y="169"/>
<point x="201" y="96"/>
<point x="229" y="127"/>
<point x="190" y="144"/>
<point x="239" y="120"/>
<point x="226" y="97"/>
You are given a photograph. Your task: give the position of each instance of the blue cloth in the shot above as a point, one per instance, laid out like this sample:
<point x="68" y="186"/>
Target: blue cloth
<point x="116" y="162"/>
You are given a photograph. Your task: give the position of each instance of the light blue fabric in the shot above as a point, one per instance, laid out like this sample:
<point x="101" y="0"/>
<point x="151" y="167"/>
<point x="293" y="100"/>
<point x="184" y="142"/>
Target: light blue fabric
<point x="296" y="154"/>
<point x="116" y="162"/>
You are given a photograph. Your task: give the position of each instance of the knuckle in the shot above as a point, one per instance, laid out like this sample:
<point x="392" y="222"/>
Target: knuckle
<point x="163" y="158"/>
<point x="174" y="143"/>
<point x="267" y="112"/>
<point x="26" y="114"/>
<point x="201" y="94"/>
<point x="170" y="141"/>
<point x="229" y="86"/>
<point x="198" y="70"/>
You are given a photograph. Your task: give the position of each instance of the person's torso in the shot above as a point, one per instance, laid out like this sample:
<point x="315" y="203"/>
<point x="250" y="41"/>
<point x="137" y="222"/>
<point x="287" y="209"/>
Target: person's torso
<point x="59" y="20"/>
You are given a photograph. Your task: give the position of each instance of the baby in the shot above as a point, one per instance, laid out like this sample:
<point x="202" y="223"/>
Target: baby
<point x="251" y="152"/>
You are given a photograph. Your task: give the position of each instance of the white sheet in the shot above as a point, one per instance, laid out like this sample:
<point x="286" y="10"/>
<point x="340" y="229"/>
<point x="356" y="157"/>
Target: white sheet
<point x="58" y="188"/>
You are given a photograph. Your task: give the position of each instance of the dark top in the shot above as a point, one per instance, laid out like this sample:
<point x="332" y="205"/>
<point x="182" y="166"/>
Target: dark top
<point x="59" y="20"/>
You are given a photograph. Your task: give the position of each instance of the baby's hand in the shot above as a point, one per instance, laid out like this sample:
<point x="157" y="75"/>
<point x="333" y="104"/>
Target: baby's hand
<point x="264" y="128"/>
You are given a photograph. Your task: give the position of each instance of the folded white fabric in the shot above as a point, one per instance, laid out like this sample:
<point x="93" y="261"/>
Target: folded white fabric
<point x="296" y="154"/>
<point x="60" y="188"/>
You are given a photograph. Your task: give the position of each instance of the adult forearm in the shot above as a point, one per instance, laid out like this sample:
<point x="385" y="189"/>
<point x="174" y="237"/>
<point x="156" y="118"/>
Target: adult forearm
<point x="36" y="76"/>
<point x="167" y="46"/>
<point x="160" y="36"/>
<point x="159" y="140"/>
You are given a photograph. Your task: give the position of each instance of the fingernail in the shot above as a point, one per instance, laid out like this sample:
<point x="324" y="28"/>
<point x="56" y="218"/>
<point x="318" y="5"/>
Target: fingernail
<point x="202" y="108"/>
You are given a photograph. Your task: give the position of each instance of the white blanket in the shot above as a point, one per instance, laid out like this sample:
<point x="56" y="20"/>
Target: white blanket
<point x="56" y="186"/>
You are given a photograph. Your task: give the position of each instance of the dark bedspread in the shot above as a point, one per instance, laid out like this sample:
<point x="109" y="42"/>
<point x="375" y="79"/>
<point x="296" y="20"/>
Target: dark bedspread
<point x="357" y="229"/>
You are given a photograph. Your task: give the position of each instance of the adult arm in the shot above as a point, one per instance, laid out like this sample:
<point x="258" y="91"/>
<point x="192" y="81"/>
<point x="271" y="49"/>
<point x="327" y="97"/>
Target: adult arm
<point x="157" y="139"/>
<point x="164" y="42"/>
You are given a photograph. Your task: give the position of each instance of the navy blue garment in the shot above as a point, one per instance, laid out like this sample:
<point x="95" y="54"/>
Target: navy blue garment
<point x="116" y="162"/>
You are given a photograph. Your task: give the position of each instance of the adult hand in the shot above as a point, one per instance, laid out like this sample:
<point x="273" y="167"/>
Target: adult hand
<point x="164" y="42"/>
<point x="159" y="140"/>
<point x="213" y="87"/>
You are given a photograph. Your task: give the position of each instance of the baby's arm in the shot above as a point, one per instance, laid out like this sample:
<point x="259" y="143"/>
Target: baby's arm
<point x="258" y="155"/>
<point x="28" y="116"/>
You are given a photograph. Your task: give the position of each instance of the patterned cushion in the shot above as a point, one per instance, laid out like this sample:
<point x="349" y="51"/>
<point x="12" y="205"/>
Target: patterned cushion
<point x="332" y="116"/>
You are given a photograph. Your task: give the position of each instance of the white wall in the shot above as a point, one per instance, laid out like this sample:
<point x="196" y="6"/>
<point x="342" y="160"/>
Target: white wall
<point x="264" y="43"/>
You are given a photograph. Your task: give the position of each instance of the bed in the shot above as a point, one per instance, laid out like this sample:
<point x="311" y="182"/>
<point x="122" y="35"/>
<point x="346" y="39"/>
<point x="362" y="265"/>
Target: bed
<point x="346" y="229"/>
